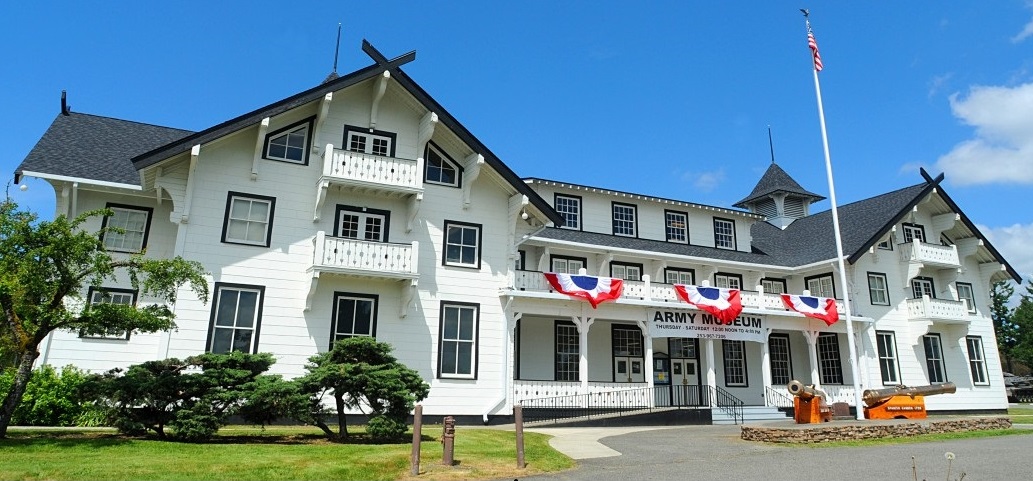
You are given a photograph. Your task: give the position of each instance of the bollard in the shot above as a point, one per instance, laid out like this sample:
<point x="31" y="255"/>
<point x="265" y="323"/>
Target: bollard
<point x="518" y="421"/>
<point x="417" y="436"/>
<point x="448" y="439"/>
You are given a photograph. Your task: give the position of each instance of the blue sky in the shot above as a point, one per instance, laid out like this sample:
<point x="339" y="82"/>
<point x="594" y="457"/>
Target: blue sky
<point x="671" y="99"/>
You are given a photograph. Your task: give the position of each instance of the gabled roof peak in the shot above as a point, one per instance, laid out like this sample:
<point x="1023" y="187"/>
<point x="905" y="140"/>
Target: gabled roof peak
<point x="776" y="180"/>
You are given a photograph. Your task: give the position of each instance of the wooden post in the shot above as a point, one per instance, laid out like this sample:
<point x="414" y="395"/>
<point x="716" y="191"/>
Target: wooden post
<point x="518" y="420"/>
<point x="417" y="436"/>
<point x="448" y="439"/>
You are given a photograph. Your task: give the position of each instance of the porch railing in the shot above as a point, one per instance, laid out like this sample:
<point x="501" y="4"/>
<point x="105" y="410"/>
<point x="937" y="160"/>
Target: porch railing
<point x="729" y="404"/>
<point x="345" y="166"/>
<point x="581" y="407"/>
<point x="777" y="397"/>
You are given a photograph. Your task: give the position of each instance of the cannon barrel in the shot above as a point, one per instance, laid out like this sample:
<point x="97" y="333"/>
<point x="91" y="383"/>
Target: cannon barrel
<point x="875" y="396"/>
<point x="797" y="388"/>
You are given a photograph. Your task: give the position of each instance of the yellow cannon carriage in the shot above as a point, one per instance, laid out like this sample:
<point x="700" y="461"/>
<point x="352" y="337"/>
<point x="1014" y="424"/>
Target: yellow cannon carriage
<point x="901" y="402"/>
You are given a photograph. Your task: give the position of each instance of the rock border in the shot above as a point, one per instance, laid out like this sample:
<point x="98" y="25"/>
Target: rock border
<point x="805" y="434"/>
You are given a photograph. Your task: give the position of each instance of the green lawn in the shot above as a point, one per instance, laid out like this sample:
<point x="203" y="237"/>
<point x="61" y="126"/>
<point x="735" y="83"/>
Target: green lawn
<point x="287" y="453"/>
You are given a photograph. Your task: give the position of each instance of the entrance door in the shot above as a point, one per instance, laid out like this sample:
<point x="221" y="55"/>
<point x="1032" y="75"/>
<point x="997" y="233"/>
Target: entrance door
<point x="685" y="382"/>
<point x="628" y="369"/>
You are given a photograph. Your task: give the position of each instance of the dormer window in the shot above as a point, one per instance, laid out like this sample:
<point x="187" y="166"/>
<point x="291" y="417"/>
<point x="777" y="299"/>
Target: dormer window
<point x="369" y="141"/>
<point x="290" y="144"/>
<point x="441" y="169"/>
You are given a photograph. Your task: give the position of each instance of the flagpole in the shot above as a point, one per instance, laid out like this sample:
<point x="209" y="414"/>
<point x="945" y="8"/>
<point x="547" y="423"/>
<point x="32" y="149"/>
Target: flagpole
<point x="854" y="370"/>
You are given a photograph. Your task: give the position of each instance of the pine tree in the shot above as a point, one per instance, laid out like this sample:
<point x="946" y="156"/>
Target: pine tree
<point x="1007" y="333"/>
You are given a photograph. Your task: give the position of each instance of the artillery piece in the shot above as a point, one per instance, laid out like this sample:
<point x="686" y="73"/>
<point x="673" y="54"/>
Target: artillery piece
<point x="901" y="402"/>
<point x="809" y="405"/>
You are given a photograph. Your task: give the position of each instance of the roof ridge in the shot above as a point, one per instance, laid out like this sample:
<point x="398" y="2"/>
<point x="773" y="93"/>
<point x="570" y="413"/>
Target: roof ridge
<point x="72" y="112"/>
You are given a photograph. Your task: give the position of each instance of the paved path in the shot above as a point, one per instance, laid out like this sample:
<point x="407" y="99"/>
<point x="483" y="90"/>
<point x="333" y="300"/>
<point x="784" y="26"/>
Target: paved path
<point x="717" y="452"/>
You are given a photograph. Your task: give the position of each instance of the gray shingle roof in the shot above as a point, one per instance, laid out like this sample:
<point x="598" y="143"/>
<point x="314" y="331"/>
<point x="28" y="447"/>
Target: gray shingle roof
<point x="648" y="245"/>
<point x="776" y="180"/>
<point x="93" y="147"/>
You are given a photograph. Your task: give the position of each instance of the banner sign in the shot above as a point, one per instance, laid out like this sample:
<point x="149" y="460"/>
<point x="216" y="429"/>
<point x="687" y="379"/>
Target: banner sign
<point x="705" y="326"/>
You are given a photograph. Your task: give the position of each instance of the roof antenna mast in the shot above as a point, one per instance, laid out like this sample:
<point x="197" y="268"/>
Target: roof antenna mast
<point x="337" y="49"/>
<point x="771" y="144"/>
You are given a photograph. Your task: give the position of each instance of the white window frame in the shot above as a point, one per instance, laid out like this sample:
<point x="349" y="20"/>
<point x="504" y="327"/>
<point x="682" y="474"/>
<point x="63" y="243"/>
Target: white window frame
<point x="249" y="219"/>
<point x="567" y="364"/>
<point x="913" y="232"/>
<point x="830" y="360"/>
<point x="922" y="286"/>
<point x="122" y="218"/>
<point x="240" y="324"/>
<point x="886" y="345"/>
<point x="878" y="289"/>
<point x="734" y="358"/>
<point x="453" y="342"/>
<point x="977" y="360"/>
<point x="724" y="233"/>
<point x="768" y="284"/>
<point x="679" y="276"/>
<point x="438" y="164"/>
<point x="292" y="134"/>
<point x="464" y="250"/>
<point x="568" y="265"/>
<point x="727" y="281"/>
<point x="110" y="295"/>
<point x="349" y="309"/>
<point x="965" y="293"/>
<point x="626" y="271"/>
<point x="363" y="141"/>
<point x="676" y="226"/>
<point x="821" y="286"/>
<point x="367" y="222"/>
<point x="934" y="363"/>
<point x="625" y="219"/>
<point x="569" y="207"/>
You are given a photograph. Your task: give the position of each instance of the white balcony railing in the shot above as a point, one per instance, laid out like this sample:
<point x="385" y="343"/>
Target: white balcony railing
<point x="531" y="389"/>
<point x="943" y="310"/>
<point x="647" y="290"/>
<point x="376" y="259"/>
<point x="933" y="254"/>
<point x="372" y="170"/>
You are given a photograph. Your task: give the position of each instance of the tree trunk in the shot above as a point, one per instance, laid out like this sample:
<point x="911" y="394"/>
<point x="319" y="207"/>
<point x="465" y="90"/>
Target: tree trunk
<point x="342" y="420"/>
<point x="14" y="396"/>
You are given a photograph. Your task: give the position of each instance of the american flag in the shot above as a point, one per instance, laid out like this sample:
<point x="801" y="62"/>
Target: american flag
<point x="813" y="44"/>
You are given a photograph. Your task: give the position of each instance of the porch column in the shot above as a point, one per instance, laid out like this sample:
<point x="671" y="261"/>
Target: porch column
<point x="812" y="354"/>
<point x="765" y="362"/>
<point x="583" y="324"/>
<point x="647" y="338"/>
<point x="708" y="349"/>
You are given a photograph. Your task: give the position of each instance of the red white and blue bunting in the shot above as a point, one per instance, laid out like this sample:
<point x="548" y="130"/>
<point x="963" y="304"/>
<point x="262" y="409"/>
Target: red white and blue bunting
<point x="724" y="304"/>
<point x="593" y="289"/>
<point x="822" y="308"/>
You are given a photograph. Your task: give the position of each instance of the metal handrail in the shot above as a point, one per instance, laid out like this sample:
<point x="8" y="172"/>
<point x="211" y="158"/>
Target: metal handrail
<point x="612" y="403"/>
<point x="730" y="404"/>
<point x="777" y="398"/>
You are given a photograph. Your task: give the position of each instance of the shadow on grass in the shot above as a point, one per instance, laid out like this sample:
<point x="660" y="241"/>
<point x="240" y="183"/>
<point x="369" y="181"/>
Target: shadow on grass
<point x="98" y="440"/>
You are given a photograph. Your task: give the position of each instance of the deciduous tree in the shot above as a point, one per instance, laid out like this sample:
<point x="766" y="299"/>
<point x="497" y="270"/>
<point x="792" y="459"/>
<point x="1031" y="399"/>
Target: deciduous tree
<point x="45" y="267"/>
<point x="1007" y="333"/>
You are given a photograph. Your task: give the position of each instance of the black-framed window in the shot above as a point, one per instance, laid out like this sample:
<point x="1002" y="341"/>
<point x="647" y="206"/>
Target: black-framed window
<point x="249" y="219"/>
<point x="773" y="286"/>
<point x="626" y="270"/>
<point x="913" y="232"/>
<point x="821" y="285"/>
<point x="965" y="293"/>
<point x="236" y="318"/>
<point x="934" y="358"/>
<point x="568" y="353"/>
<point x="673" y="275"/>
<point x="734" y="355"/>
<point x="676" y="226"/>
<point x="569" y="208"/>
<point x="885" y="244"/>
<point x="134" y="223"/>
<point x="110" y="295"/>
<point x="369" y="141"/>
<point x="625" y="219"/>
<point x="683" y="347"/>
<point x="923" y="286"/>
<point x="781" y="359"/>
<point x="567" y="264"/>
<point x="291" y="143"/>
<point x="457" y="346"/>
<point x="362" y="223"/>
<point x="727" y="281"/>
<point x="830" y="364"/>
<point x="462" y="244"/>
<point x="886" y="343"/>
<point x="878" y="289"/>
<point x="976" y="360"/>
<point x="440" y="168"/>
<point x="627" y="340"/>
<point x="355" y="315"/>
<point x="724" y="233"/>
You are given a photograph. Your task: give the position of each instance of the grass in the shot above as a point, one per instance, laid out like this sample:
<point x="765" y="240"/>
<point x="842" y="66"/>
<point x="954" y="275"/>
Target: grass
<point x="1021" y="415"/>
<point x="278" y="453"/>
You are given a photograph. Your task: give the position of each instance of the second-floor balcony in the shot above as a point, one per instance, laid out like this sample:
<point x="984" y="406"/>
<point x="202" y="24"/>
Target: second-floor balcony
<point x="375" y="173"/>
<point x="930" y="254"/>
<point x="362" y="258"/>
<point x="945" y="311"/>
<point x="646" y="290"/>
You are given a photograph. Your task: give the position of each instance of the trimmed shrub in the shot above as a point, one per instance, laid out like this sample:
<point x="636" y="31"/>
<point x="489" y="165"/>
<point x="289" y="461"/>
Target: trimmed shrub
<point x="52" y="398"/>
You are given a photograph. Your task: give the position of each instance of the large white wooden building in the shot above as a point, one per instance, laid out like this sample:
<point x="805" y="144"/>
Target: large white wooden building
<point x="361" y="207"/>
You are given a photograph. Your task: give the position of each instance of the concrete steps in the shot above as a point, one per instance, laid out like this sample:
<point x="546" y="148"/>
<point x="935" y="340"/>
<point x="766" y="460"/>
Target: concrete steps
<point x="750" y="414"/>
